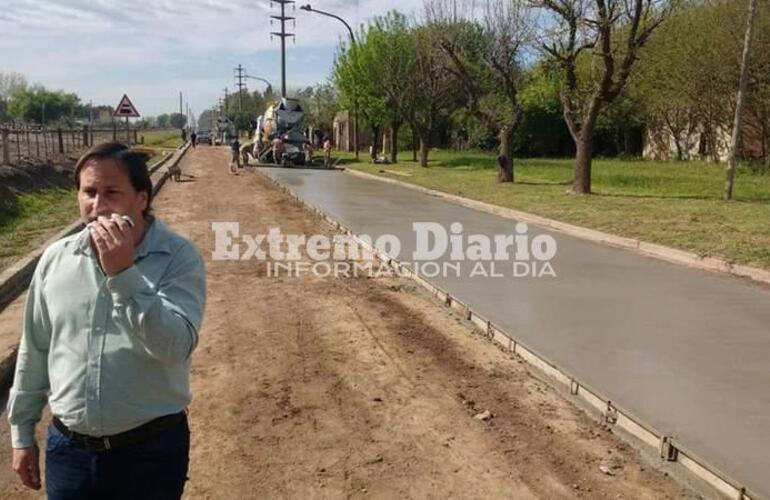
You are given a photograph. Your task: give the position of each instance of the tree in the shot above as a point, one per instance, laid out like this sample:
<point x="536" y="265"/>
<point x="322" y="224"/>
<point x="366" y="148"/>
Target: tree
<point x="740" y="100"/>
<point x="486" y="60"/>
<point x="163" y="120"/>
<point x="39" y="105"/>
<point x="177" y="120"/>
<point x="759" y="82"/>
<point x="686" y="77"/>
<point x="542" y="131"/>
<point x="357" y="81"/>
<point x="207" y="119"/>
<point x="392" y="46"/>
<point x="320" y="103"/>
<point x="432" y="87"/>
<point x="10" y="83"/>
<point x="608" y="32"/>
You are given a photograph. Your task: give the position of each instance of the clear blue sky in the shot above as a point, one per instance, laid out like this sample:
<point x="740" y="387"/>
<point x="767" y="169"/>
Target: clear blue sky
<point x="153" y="49"/>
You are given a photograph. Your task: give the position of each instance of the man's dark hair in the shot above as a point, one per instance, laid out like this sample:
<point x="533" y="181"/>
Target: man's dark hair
<point x="134" y="162"/>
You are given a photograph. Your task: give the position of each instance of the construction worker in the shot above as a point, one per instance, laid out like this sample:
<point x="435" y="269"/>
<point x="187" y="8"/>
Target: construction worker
<point x="327" y="152"/>
<point x="235" y="155"/>
<point x="308" y="149"/>
<point x="277" y="145"/>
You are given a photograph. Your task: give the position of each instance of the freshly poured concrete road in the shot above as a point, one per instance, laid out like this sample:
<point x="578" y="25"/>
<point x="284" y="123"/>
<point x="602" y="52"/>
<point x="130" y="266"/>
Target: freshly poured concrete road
<point x="685" y="350"/>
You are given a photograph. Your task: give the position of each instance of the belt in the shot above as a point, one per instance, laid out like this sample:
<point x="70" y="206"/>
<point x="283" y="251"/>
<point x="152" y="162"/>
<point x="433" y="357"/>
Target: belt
<point x="135" y="435"/>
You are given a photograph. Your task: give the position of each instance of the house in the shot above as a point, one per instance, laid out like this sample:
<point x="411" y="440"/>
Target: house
<point x="695" y="143"/>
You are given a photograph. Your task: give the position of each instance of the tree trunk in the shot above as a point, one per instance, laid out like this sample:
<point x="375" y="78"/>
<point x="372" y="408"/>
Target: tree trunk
<point x="423" y="151"/>
<point x="734" y="142"/>
<point x="676" y="133"/>
<point x="505" y="158"/>
<point x="394" y="143"/>
<point x="765" y="140"/>
<point x="581" y="183"/>
<point x="375" y="138"/>
<point x="679" y="149"/>
<point x="766" y="144"/>
<point x="414" y="145"/>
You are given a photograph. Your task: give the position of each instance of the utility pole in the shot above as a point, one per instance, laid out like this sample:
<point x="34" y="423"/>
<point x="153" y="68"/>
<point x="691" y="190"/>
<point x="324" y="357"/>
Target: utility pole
<point x="181" y="126"/>
<point x="91" y="123"/>
<point x="226" y="108"/>
<point x="283" y="35"/>
<point x="240" y="76"/>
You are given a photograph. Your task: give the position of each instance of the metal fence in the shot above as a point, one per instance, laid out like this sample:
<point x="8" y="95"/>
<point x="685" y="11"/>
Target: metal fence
<point x="30" y="145"/>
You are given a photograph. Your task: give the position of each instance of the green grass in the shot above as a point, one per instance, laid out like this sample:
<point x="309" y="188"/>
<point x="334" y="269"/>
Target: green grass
<point x="38" y="216"/>
<point x="672" y="203"/>
<point x="162" y="138"/>
<point x="28" y="219"/>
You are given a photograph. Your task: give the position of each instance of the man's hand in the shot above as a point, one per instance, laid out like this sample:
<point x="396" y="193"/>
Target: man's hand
<point x="114" y="241"/>
<point x="26" y="463"/>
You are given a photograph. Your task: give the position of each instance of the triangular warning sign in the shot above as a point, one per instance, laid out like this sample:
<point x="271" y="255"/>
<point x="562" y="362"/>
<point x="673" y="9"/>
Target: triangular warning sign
<point x="126" y="108"/>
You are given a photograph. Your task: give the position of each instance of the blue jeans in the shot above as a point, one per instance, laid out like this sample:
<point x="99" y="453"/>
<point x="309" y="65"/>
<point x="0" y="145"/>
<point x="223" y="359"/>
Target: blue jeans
<point x="152" y="469"/>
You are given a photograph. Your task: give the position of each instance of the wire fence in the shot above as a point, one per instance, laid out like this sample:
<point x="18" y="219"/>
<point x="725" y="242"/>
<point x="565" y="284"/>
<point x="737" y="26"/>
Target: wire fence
<point x="20" y="145"/>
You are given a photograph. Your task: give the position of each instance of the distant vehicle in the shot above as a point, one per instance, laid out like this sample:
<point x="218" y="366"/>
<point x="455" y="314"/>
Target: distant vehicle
<point x="203" y="137"/>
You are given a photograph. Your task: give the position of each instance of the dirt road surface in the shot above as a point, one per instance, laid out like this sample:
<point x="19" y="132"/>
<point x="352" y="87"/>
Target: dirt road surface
<point x="310" y="387"/>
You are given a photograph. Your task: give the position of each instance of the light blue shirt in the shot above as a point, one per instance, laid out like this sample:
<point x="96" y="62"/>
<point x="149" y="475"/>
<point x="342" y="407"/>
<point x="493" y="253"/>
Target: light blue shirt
<point x="108" y="354"/>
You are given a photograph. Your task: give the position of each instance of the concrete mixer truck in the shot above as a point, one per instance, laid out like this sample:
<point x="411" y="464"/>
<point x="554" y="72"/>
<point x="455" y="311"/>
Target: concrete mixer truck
<point x="282" y="120"/>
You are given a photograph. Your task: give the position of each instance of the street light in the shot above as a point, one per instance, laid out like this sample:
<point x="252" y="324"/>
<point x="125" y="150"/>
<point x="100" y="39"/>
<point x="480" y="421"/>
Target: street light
<point x="269" y="88"/>
<point x="308" y="8"/>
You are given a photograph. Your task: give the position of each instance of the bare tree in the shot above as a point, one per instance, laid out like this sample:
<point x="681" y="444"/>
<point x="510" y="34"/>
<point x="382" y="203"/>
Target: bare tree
<point x="486" y="60"/>
<point x="611" y="30"/>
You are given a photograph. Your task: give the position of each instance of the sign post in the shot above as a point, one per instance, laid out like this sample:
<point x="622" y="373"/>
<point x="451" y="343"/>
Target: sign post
<point x="126" y="109"/>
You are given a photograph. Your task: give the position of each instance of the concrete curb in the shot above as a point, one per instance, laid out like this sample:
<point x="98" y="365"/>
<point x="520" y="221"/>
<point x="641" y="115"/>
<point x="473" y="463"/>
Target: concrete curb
<point x="15" y="279"/>
<point x="654" y="442"/>
<point x="661" y="252"/>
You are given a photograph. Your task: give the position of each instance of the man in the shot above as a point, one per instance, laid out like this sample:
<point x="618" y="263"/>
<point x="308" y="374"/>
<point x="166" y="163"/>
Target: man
<point x="193" y="139"/>
<point x="327" y="152"/>
<point x="111" y="320"/>
<point x="307" y="147"/>
<point x="277" y="145"/>
<point x="245" y="152"/>
<point x="235" y="156"/>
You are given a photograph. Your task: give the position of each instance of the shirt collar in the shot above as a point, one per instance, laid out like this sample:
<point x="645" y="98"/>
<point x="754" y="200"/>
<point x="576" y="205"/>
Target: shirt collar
<point x="156" y="239"/>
